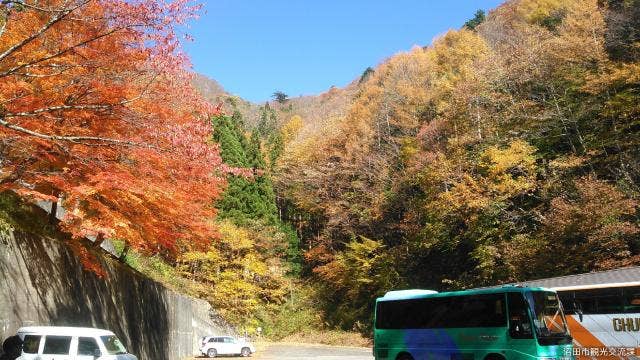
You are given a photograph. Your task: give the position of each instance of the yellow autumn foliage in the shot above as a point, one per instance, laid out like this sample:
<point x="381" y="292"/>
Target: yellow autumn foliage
<point x="235" y="276"/>
<point x="536" y="11"/>
<point x="510" y="171"/>
<point x="291" y="129"/>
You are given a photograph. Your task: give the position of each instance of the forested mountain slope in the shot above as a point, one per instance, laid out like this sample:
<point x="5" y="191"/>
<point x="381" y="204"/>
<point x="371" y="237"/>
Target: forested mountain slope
<point x="314" y="111"/>
<point x="504" y="151"/>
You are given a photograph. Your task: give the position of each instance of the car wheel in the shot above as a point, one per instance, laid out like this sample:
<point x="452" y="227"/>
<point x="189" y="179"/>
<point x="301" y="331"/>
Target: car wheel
<point x="245" y="352"/>
<point x="212" y="353"/>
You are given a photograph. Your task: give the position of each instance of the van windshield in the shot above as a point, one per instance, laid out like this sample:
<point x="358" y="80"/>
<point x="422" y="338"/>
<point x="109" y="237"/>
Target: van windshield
<point x="113" y="345"/>
<point x="30" y="344"/>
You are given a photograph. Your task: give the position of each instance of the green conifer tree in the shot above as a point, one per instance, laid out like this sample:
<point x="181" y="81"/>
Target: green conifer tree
<point x="244" y="199"/>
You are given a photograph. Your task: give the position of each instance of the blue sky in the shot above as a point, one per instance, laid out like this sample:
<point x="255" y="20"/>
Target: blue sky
<point x="303" y="47"/>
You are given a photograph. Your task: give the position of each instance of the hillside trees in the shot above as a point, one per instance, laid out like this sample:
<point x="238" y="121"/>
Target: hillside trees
<point x="243" y="274"/>
<point x="623" y="22"/>
<point x="280" y="97"/>
<point x="244" y="199"/>
<point x="479" y="17"/>
<point x="291" y="129"/>
<point x="251" y="202"/>
<point x="89" y="116"/>
<point x="362" y="269"/>
<point x="477" y="160"/>
<point x="267" y="130"/>
<point x="237" y="276"/>
<point x="594" y="225"/>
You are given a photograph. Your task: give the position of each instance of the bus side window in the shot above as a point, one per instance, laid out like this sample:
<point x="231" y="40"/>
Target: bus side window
<point x="399" y="314"/>
<point x="476" y="311"/>
<point x="631" y="300"/>
<point x="600" y="301"/>
<point x="586" y="301"/>
<point x="569" y="304"/>
<point x="519" y="323"/>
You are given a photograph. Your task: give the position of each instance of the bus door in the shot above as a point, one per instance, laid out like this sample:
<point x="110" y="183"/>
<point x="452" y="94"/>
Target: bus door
<point x="521" y="338"/>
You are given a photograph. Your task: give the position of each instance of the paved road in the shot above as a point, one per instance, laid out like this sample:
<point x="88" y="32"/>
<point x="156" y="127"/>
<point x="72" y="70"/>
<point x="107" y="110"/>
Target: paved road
<point x="311" y="352"/>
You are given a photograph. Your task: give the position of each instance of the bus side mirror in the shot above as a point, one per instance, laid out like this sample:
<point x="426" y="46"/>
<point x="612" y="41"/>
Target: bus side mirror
<point x="97" y="353"/>
<point x="578" y="310"/>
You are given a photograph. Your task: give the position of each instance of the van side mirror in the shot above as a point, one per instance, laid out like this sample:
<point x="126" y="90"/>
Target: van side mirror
<point x="97" y="353"/>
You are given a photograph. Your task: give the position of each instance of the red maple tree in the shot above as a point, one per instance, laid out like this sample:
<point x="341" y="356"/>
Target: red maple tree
<point x="97" y="112"/>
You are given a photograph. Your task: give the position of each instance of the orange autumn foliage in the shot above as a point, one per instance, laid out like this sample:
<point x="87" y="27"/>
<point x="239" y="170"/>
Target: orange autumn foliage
<point x="96" y="112"/>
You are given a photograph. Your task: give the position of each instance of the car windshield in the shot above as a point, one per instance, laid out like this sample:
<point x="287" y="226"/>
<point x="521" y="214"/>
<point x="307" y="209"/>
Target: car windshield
<point x="113" y="345"/>
<point x="548" y="318"/>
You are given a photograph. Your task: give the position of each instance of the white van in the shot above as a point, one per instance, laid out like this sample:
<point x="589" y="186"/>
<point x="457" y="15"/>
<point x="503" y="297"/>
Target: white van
<point x="70" y="343"/>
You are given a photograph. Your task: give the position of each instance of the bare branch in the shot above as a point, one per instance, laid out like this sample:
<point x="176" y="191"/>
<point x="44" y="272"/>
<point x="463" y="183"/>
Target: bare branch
<point x="4" y="18"/>
<point x="61" y="107"/>
<point x="30" y="6"/>
<point x="76" y="107"/>
<point x="52" y="21"/>
<point x="84" y="140"/>
<point x="13" y="99"/>
<point x="59" y="53"/>
<point x="32" y="75"/>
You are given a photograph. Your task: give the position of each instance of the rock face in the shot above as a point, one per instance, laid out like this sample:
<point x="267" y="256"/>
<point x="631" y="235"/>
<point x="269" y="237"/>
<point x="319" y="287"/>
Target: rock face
<point x="43" y="283"/>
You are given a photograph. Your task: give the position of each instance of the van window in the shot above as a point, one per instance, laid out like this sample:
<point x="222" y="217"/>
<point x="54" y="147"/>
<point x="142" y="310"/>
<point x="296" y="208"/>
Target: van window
<point x="57" y="345"/>
<point x="87" y="346"/>
<point x="31" y="344"/>
<point x="113" y="345"/>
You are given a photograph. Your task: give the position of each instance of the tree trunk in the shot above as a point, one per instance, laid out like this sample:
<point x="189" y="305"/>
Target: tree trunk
<point x="99" y="240"/>
<point x="53" y="219"/>
<point x="125" y="252"/>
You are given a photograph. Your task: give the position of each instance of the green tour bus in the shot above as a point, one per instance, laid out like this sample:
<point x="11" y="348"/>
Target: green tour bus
<point x="505" y="323"/>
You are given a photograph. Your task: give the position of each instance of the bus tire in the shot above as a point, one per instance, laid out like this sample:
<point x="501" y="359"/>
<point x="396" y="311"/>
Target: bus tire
<point x="404" y="356"/>
<point x="494" y="357"/>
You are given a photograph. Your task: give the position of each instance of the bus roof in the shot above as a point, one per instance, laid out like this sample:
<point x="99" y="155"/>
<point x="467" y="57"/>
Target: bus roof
<point x="420" y="294"/>
<point x="624" y="277"/>
<point x="407" y="294"/>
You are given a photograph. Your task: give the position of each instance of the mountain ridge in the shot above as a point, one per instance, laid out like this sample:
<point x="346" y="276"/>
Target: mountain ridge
<point x="315" y="110"/>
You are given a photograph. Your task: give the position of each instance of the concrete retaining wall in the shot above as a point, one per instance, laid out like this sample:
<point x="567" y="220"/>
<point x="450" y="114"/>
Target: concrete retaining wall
<point x="42" y="283"/>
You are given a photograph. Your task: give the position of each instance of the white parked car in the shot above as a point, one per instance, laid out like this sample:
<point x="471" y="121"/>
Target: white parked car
<point x="213" y="346"/>
<point x="70" y="343"/>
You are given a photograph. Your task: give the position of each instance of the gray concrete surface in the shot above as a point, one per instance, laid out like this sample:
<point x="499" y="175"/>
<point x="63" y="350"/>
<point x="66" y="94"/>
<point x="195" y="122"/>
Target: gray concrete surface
<point x="43" y="283"/>
<point x="312" y="352"/>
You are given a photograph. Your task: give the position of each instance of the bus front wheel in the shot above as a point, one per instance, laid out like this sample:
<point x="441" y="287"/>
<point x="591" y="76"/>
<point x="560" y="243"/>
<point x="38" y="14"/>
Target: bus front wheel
<point x="494" y="357"/>
<point x="404" y="356"/>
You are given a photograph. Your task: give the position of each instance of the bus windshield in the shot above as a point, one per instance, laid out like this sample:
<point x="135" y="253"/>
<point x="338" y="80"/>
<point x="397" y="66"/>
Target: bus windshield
<point x="548" y="319"/>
